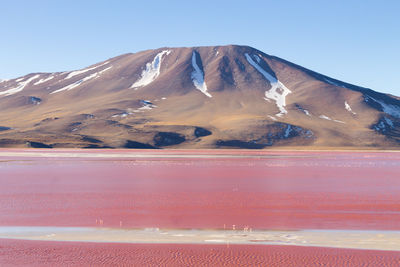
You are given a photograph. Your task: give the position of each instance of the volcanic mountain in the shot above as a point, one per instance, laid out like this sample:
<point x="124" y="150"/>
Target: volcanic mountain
<point x="200" y="97"/>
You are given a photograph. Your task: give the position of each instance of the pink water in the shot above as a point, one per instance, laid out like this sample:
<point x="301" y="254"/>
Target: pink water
<point x="263" y="190"/>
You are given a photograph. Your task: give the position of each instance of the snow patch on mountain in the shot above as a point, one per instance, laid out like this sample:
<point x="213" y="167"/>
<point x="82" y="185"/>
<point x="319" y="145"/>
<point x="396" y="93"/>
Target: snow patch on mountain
<point x="121" y="115"/>
<point x="44" y="80"/>
<point x="146" y="105"/>
<point x="78" y="72"/>
<point x="329" y="119"/>
<point x="339" y="121"/>
<point x="325" y="117"/>
<point x="75" y="84"/>
<point x="278" y="91"/>
<point x="78" y="83"/>
<point x="198" y="77"/>
<point x="304" y="110"/>
<point x="387" y="108"/>
<point x="152" y="70"/>
<point x="347" y="106"/>
<point x="146" y="108"/>
<point x="20" y="87"/>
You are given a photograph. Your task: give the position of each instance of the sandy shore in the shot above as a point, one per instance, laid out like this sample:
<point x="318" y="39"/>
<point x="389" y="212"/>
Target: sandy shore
<point x="376" y="240"/>
<point x="132" y="155"/>
<point x="204" y="153"/>
<point x="15" y="252"/>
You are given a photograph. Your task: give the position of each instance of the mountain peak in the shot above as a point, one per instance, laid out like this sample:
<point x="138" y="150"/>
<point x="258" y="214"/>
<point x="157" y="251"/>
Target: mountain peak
<point x="161" y="97"/>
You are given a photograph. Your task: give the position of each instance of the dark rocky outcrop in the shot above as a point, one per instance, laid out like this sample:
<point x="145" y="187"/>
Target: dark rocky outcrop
<point x="38" y="145"/>
<point x="239" y="144"/>
<point x="91" y="139"/>
<point x="35" y="100"/>
<point x="168" y="139"/>
<point x="199" y="132"/>
<point x="3" y="128"/>
<point x="388" y="126"/>
<point x="275" y="133"/>
<point x="133" y="144"/>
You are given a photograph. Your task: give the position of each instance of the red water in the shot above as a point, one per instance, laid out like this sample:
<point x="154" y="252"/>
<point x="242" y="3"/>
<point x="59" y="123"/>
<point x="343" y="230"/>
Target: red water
<point x="315" y="191"/>
<point x="270" y="190"/>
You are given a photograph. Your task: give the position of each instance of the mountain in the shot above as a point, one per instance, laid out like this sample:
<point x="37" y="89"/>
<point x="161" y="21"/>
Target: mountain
<point x="201" y="97"/>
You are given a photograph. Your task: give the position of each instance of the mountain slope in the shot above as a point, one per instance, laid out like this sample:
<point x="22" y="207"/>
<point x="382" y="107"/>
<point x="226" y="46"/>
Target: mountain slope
<point x="202" y="97"/>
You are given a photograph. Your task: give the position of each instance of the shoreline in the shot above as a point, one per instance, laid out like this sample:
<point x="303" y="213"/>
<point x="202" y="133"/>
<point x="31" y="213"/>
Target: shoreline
<point x="347" y="239"/>
<point x="189" y="154"/>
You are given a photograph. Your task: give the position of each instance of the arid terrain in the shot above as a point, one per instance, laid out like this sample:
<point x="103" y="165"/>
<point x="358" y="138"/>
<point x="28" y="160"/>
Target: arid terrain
<point x="199" y="97"/>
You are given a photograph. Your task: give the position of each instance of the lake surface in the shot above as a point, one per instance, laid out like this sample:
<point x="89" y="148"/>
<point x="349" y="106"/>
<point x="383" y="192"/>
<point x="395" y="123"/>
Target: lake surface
<point x="346" y="199"/>
<point x="200" y="189"/>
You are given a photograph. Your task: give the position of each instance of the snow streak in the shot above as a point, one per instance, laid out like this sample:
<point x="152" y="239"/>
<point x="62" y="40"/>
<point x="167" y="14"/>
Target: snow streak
<point x="44" y="80"/>
<point x="387" y="108"/>
<point x="347" y="106"/>
<point x="78" y="72"/>
<point x="20" y="87"/>
<point x="78" y="83"/>
<point x="329" y="119"/>
<point x="278" y="91"/>
<point x="151" y="72"/>
<point x="198" y="77"/>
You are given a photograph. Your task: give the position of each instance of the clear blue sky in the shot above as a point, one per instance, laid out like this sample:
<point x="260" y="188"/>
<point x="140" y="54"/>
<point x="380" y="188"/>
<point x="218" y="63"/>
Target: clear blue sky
<point x="354" y="41"/>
